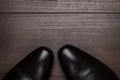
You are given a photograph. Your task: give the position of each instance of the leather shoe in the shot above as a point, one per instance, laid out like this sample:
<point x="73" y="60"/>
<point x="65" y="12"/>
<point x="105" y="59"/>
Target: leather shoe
<point x="79" y="65"/>
<point x="36" y="66"/>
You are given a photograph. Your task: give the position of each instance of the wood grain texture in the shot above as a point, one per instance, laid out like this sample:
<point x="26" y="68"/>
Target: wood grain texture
<point x="60" y="6"/>
<point x="92" y="25"/>
<point x="59" y="21"/>
<point x="97" y="34"/>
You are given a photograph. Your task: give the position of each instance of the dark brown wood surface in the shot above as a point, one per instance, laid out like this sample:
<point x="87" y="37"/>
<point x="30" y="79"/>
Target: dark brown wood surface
<point x="92" y="25"/>
<point x="60" y="6"/>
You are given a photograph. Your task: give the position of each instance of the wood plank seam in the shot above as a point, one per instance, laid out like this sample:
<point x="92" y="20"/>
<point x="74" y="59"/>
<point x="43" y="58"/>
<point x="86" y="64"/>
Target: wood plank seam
<point x="59" y="12"/>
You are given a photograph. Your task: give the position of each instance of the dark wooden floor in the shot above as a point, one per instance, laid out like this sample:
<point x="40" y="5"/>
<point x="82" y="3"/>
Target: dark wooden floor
<point x="92" y="25"/>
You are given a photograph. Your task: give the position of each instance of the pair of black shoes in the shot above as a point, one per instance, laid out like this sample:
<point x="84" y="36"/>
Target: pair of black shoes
<point x="76" y="64"/>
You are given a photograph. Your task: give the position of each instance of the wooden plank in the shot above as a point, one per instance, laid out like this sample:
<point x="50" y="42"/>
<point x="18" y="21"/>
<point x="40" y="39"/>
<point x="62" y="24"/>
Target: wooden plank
<point x="59" y="21"/>
<point x="60" y="6"/>
<point x="97" y="34"/>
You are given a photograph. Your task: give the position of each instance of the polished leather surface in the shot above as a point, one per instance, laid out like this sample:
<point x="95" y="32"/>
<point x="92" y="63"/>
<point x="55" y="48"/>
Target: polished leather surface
<point x="78" y="65"/>
<point x="36" y="66"/>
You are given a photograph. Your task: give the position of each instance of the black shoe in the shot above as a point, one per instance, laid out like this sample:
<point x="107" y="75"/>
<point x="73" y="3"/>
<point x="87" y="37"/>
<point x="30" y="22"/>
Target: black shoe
<point x="78" y="65"/>
<point x="36" y="66"/>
